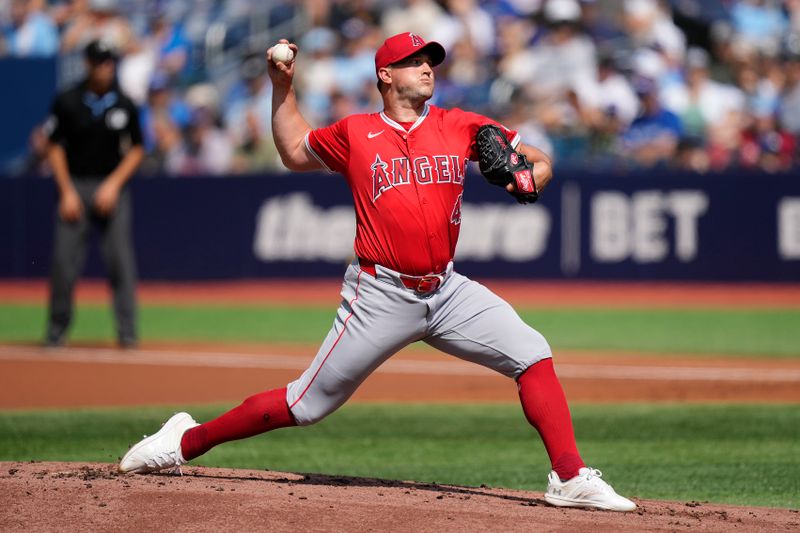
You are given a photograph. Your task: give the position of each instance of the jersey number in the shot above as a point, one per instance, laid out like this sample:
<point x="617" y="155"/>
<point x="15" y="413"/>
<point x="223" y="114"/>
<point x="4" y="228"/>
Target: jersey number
<point x="455" y="218"/>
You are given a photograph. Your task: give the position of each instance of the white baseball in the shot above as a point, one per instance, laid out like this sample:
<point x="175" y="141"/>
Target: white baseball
<point x="281" y="53"/>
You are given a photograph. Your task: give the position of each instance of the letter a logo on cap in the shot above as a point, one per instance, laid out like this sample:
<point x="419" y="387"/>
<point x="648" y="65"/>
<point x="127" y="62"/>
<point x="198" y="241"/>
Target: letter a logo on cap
<point x="415" y="40"/>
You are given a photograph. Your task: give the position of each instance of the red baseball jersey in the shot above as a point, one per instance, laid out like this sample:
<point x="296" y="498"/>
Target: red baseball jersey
<point x="407" y="184"/>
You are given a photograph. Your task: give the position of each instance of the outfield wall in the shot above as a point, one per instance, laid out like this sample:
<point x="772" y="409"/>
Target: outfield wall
<point x="668" y="226"/>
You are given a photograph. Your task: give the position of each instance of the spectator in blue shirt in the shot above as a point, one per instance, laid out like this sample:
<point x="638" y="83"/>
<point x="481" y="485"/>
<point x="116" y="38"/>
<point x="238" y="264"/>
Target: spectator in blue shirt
<point x="652" y="139"/>
<point x="248" y="116"/>
<point x="163" y="120"/>
<point x="759" y="26"/>
<point x="173" y="47"/>
<point x="32" y="33"/>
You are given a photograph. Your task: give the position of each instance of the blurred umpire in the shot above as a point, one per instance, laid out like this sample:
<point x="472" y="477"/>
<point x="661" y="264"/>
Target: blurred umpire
<point x="95" y="147"/>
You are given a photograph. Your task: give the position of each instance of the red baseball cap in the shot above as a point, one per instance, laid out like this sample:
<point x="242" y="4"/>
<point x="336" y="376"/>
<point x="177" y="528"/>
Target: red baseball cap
<point x="402" y="45"/>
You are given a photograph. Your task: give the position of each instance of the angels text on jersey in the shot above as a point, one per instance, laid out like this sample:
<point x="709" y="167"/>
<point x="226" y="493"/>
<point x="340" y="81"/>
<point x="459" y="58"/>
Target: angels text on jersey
<point x="426" y="170"/>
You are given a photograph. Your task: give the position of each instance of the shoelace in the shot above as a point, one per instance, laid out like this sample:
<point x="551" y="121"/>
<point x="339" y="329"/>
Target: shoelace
<point x="594" y="476"/>
<point x="593" y="472"/>
<point x="164" y="459"/>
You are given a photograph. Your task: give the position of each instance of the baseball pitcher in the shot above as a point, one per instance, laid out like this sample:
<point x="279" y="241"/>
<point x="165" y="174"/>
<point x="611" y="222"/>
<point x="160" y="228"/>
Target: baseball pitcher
<point x="406" y="167"/>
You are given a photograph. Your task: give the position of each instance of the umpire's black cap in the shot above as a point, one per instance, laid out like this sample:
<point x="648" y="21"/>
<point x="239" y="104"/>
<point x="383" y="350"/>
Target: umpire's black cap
<point x="99" y="51"/>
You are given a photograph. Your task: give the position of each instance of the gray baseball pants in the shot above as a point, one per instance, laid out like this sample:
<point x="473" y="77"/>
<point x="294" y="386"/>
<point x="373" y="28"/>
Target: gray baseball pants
<point x="69" y="256"/>
<point x="378" y="316"/>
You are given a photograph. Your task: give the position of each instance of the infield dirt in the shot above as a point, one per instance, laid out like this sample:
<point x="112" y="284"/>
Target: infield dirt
<point x="97" y="375"/>
<point x="93" y="497"/>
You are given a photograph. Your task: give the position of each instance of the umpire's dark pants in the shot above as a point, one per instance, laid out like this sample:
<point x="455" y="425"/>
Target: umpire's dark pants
<point x="69" y="256"/>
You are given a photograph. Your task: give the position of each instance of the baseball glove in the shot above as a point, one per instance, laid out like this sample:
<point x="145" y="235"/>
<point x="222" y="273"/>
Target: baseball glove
<point x="500" y="164"/>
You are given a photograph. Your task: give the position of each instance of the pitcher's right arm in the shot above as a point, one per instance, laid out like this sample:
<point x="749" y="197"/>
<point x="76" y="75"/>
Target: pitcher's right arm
<point x="289" y="128"/>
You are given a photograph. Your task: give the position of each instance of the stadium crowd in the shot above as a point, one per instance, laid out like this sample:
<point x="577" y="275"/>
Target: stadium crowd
<point x="614" y="86"/>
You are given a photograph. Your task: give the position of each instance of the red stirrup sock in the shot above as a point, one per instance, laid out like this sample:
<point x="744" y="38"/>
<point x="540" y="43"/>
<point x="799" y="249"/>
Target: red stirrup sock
<point x="257" y="414"/>
<point x="546" y="409"/>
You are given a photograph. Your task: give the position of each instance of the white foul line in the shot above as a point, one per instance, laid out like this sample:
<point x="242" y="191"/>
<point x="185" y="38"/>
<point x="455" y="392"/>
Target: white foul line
<point x="451" y="367"/>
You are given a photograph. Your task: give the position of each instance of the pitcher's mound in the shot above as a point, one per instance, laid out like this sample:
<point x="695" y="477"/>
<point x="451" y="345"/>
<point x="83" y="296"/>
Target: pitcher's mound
<point x="37" y="496"/>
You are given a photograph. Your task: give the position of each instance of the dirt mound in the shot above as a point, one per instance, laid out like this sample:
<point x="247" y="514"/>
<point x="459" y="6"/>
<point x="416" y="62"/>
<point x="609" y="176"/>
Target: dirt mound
<point x="37" y="496"/>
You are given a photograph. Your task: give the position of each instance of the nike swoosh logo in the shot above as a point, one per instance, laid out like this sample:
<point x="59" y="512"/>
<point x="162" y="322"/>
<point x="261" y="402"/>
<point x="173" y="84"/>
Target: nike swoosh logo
<point x="371" y="135"/>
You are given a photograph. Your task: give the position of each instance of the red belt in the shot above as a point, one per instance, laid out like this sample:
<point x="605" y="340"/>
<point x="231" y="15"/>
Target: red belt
<point x="422" y="284"/>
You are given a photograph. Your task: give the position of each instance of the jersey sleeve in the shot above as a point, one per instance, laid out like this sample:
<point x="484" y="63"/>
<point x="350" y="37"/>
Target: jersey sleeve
<point x="55" y="127"/>
<point x="135" y="126"/>
<point x="330" y="146"/>
<point x="470" y="122"/>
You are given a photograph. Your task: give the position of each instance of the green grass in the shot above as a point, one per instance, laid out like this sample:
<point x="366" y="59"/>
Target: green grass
<point x="757" y="332"/>
<point x="740" y="454"/>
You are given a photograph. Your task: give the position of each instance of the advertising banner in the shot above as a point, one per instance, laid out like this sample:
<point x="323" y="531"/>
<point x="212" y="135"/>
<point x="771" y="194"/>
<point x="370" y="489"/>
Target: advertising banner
<point x="732" y="227"/>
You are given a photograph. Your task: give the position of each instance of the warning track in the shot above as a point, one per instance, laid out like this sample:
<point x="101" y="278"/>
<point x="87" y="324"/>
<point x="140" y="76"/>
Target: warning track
<point x="551" y="294"/>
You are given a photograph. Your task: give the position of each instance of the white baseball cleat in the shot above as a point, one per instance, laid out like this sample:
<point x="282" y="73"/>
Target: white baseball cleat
<point x="161" y="450"/>
<point x="585" y="490"/>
